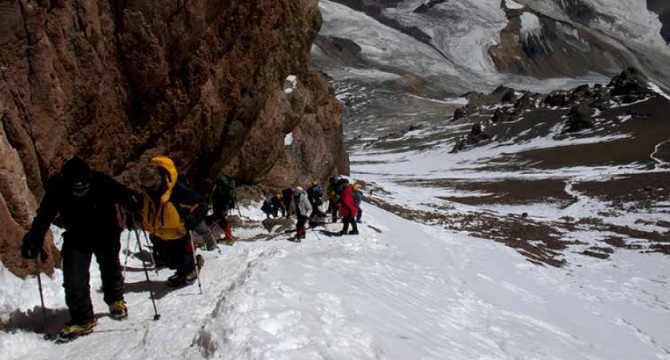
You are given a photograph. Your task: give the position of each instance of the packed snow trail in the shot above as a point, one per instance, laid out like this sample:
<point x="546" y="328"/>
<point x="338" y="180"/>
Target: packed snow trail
<point x="408" y="292"/>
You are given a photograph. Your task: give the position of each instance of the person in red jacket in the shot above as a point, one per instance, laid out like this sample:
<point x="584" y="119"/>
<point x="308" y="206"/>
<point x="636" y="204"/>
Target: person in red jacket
<point x="347" y="207"/>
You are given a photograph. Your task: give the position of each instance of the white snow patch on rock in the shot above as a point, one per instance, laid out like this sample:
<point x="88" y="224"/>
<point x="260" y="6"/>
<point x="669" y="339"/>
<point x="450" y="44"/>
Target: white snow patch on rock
<point x="290" y="83"/>
<point x="653" y="87"/>
<point x="530" y="24"/>
<point x="511" y="4"/>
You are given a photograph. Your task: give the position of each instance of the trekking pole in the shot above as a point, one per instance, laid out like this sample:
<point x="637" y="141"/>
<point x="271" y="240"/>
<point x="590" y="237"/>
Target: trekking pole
<point x="44" y="309"/>
<point x="146" y="273"/>
<point x="195" y="262"/>
<point x="125" y="263"/>
<point x="151" y="255"/>
<point x="146" y="237"/>
<point x="316" y="233"/>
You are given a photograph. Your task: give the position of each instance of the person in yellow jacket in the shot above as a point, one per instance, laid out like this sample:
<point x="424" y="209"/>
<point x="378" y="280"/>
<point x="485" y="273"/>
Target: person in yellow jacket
<point x="170" y="210"/>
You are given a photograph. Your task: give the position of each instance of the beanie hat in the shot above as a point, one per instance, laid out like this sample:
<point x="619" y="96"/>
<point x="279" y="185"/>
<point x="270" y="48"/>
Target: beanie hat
<point x="76" y="174"/>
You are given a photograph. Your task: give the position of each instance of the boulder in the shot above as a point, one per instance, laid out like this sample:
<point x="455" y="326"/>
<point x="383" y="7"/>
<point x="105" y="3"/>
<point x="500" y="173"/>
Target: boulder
<point x="580" y="118"/>
<point x="501" y="115"/>
<point x="477" y="134"/>
<point x="458" y="114"/>
<point x="278" y="225"/>
<point x="525" y="102"/>
<point x="630" y="82"/>
<point x="557" y="99"/>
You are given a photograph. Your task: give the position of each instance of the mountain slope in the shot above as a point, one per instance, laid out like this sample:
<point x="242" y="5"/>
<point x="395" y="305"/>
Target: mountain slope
<point x="477" y="45"/>
<point x="399" y="290"/>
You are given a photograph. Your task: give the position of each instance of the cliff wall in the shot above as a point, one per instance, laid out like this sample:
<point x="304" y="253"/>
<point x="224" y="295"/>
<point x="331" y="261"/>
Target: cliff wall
<point x="117" y="82"/>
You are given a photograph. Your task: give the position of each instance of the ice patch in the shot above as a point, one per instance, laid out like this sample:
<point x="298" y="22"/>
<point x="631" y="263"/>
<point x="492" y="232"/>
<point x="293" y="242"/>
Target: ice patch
<point x="530" y="24"/>
<point x="624" y="118"/>
<point x="513" y="5"/>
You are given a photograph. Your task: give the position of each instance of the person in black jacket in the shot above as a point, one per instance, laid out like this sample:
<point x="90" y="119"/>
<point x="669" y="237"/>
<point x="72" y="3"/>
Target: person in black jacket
<point x="86" y="201"/>
<point x="278" y="204"/>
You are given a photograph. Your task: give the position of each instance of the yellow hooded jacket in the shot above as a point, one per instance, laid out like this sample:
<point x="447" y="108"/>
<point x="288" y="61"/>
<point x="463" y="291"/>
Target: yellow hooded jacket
<point x="162" y="219"/>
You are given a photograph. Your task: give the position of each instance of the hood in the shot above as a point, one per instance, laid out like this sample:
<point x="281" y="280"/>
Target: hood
<point x="167" y="164"/>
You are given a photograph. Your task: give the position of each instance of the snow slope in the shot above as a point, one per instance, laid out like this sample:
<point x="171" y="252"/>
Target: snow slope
<point x="400" y="290"/>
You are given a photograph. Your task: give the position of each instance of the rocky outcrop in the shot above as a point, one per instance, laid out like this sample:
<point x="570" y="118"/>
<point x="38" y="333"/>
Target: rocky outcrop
<point x="662" y="8"/>
<point x="580" y="118"/>
<point x="529" y="45"/>
<point x="629" y="82"/>
<point x="580" y="112"/>
<point x="118" y="82"/>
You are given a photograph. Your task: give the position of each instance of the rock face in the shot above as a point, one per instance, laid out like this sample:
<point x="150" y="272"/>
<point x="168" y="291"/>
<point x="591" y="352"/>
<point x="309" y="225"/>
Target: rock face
<point x="118" y="82"/>
<point x="528" y="42"/>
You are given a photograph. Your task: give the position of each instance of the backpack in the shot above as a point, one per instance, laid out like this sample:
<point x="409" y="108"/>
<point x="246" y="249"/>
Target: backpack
<point x="224" y="190"/>
<point x="267" y="207"/>
<point x="287" y="195"/>
<point x="318" y="191"/>
<point x="358" y="196"/>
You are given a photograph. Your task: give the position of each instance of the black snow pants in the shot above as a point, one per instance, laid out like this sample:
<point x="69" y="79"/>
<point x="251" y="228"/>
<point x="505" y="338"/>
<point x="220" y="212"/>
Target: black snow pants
<point x="76" y="253"/>
<point x="177" y="254"/>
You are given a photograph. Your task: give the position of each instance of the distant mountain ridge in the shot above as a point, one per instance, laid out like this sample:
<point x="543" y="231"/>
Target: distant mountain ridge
<point x="442" y="46"/>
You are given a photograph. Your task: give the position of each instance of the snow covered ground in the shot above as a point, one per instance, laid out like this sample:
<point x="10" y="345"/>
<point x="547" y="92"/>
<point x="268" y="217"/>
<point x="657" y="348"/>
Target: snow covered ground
<point x="400" y="290"/>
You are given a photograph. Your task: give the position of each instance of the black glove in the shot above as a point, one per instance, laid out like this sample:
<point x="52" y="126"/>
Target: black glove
<point x="133" y="220"/>
<point x="190" y="222"/>
<point x="32" y="246"/>
<point x="134" y="202"/>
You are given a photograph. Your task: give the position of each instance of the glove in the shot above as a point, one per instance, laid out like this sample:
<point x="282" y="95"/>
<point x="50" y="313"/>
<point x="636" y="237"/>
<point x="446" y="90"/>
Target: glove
<point x="190" y="222"/>
<point x="133" y="220"/>
<point x="134" y="202"/>
<point x="32" y="246"/>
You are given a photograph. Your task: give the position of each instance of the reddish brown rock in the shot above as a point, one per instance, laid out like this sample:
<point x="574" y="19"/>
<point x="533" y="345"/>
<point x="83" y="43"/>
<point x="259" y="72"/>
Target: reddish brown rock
<point x="118" y="82"/>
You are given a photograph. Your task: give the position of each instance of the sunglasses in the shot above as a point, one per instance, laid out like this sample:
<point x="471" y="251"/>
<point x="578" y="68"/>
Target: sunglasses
<point x="150" y="184"/>
<point x="80" y="188"/>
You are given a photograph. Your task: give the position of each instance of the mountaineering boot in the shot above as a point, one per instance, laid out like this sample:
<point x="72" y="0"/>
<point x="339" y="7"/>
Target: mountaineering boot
<point x="354" y="228"/>
<point x="118" y="310"/>
<point x="345" y="227"/>
<point x="72" y="331"/>
<point x="181" y="280"/>
<point x="229" y="239"/>
<point x="300" y="233"/>
<point x="210" y="243"/>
